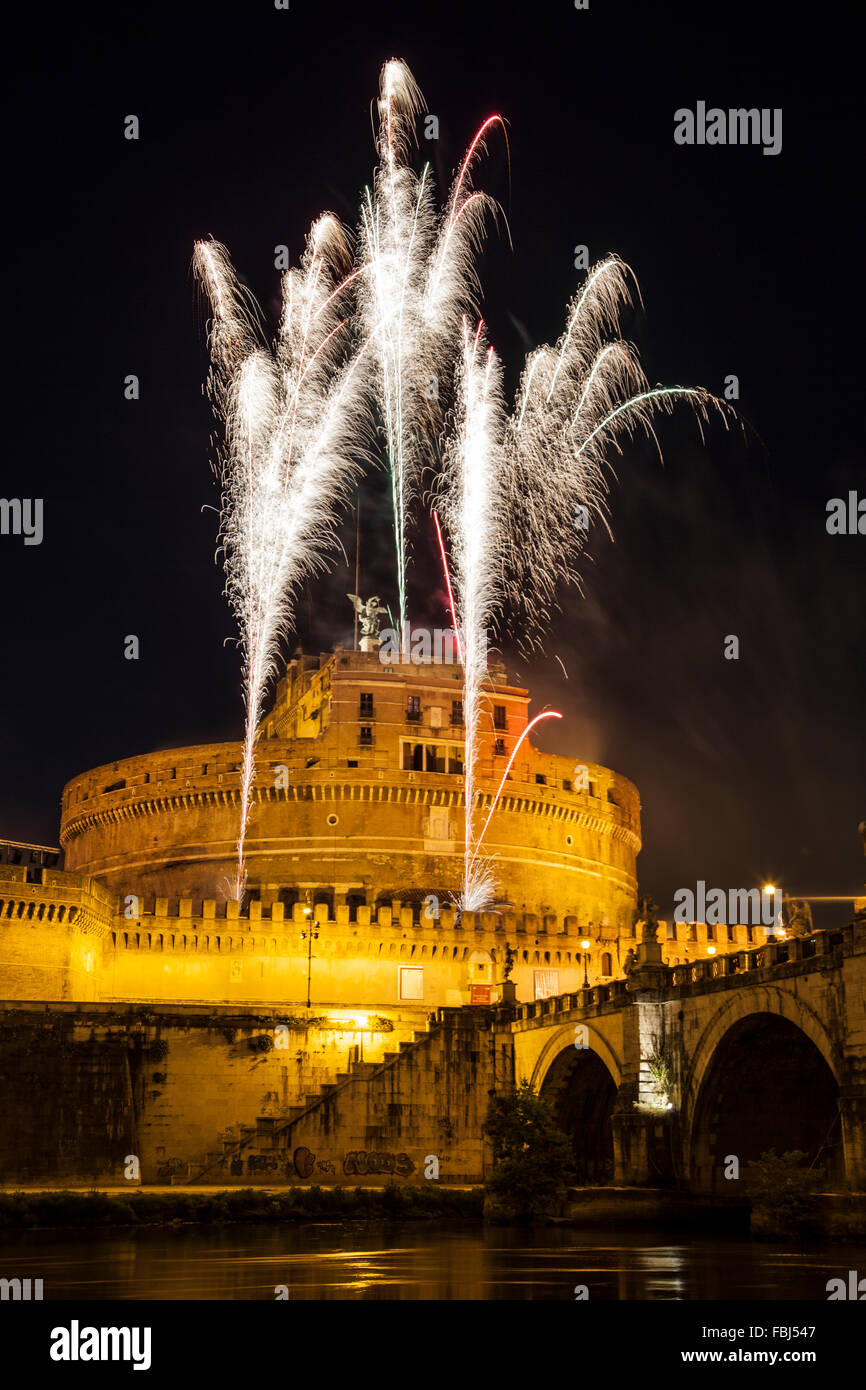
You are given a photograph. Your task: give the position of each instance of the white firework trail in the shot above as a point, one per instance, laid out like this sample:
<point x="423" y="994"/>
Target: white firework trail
<point x="472" y="481"/>
<point x="519" y="490"/>
<point x="417" y="279"/>
<point x="291" y="420"/>
<point x="575" y="404"/>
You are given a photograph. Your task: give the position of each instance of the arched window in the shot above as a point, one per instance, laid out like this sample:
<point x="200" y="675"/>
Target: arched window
<point x="606" y="963"/>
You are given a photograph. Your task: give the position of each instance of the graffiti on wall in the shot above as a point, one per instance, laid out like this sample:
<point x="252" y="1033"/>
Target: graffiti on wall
<point x="356" y="1163"/>
<point x="360" y="1162"/>
<point x="304" y="1164"/>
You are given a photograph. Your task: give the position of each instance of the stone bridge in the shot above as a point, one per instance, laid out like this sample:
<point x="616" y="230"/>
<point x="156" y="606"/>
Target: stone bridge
<point x="670" y="1074"/>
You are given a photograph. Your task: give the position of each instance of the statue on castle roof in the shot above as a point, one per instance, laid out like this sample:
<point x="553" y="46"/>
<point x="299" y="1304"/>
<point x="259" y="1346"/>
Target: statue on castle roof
<point x="370" y="614"/>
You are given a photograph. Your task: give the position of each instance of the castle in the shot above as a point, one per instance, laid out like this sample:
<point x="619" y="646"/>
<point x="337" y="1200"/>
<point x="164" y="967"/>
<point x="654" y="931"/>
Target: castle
<point x="356" y="832"/>
<point x="194" y="1021"/>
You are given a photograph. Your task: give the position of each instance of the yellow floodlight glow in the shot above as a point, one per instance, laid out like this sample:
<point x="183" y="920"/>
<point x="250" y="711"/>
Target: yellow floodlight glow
<point x="350" y="1023"/>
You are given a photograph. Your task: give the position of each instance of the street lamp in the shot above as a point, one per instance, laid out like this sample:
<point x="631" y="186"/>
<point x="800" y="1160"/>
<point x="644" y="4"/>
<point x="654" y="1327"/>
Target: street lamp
<point x="771" y="891"/>
<point x="309" y="934"/>
<point x="585" y="946"/>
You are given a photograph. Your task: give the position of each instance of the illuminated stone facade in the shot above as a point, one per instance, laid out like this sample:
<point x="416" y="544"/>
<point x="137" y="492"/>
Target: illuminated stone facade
<point x="333" y="1027"/>
<point x="357" y="825"/>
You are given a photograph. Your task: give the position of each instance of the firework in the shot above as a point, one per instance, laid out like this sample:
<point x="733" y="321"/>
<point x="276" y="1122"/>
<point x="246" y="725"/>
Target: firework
<point x="416" y="279"/>
<point x="575" y="404"/>
<point x="477" y="525"/>
<point x="520" y="489"/>
<point x="291" y="416"/>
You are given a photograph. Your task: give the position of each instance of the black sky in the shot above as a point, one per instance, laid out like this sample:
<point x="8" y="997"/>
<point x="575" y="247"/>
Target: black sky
<point x="252" y="121"/>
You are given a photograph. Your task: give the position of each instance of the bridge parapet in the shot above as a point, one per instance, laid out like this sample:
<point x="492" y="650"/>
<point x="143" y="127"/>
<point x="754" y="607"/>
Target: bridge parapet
<point x="731" y="969"/>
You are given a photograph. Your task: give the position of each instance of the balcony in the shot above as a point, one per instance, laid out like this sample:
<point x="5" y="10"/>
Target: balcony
<point x="413" y="716"/>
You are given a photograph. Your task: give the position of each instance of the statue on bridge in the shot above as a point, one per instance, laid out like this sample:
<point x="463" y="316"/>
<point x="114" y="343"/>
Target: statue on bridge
<point x="860" y="905"/>
<point x="647" y="914"/>
<point x="799" y="918"/>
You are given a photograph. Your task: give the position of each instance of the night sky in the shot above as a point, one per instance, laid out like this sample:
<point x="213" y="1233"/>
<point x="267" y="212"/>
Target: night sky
<point x="253" y="121"/>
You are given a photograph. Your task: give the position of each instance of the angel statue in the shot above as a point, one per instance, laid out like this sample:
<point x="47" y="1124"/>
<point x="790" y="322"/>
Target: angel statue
<point x="370" y="614"/>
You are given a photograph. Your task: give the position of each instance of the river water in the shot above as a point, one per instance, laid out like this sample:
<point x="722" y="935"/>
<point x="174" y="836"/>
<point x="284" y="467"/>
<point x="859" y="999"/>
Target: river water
<point x="417" y="1260"/>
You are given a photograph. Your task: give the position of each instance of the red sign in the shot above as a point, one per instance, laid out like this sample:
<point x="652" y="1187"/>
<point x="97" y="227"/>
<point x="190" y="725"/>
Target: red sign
<point x="480" y="994"/>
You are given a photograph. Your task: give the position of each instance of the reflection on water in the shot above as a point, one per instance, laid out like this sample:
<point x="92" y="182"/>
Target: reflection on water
<point x="400" y="1260"/>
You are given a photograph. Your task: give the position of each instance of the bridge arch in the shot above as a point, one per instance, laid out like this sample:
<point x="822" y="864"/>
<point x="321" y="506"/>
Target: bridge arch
<point x="765" y="1075"/>
<point x="580" y="1083"/>
<point x="562" y="1038"/>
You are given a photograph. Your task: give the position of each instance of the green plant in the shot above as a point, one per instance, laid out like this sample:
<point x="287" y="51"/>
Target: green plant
<point x="531" y="1154"/>
<point x="783" y="1193"/>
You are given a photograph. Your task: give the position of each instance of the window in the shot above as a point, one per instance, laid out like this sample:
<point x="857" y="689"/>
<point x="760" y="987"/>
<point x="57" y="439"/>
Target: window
<point x="546" y="984"/>
<point x="351" y="762"/>
<point x="456" y="711"/>
<point x="413" y="708"/>
<point x="499" y="716"/>
<point x="410" y="982"/>
<point x="366" y="736"/>
<point x="499" y="748"/>
<point x="606" y="963"/>
<point x="366" y="704"/>
<point x="433" y="757"/>
<point x="566" y="784"/>
<point x="413" y="757"/>
<point x="541" y="779"/>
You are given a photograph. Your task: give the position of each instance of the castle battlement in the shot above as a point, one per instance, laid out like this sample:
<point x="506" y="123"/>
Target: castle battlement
<point x="69" y="937"/>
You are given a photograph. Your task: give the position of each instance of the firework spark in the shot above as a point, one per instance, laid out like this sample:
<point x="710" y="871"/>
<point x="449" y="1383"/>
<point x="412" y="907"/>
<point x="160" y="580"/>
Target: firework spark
<point x="417" y="279"/>
<point x="575" y="404"/>
<point x="477" y="525"/>
<point x="291" y="430"/>
<point x="520" y="489"/>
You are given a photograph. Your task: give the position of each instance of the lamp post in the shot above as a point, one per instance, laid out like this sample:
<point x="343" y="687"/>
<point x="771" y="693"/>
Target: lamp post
<point x="309" y="934"/>
<point x="585" y="946"/>
<point x="775" y="893"/>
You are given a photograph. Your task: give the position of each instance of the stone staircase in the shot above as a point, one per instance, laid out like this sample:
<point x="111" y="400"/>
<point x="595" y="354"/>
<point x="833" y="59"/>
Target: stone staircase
<point x="270" y="1136"/>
